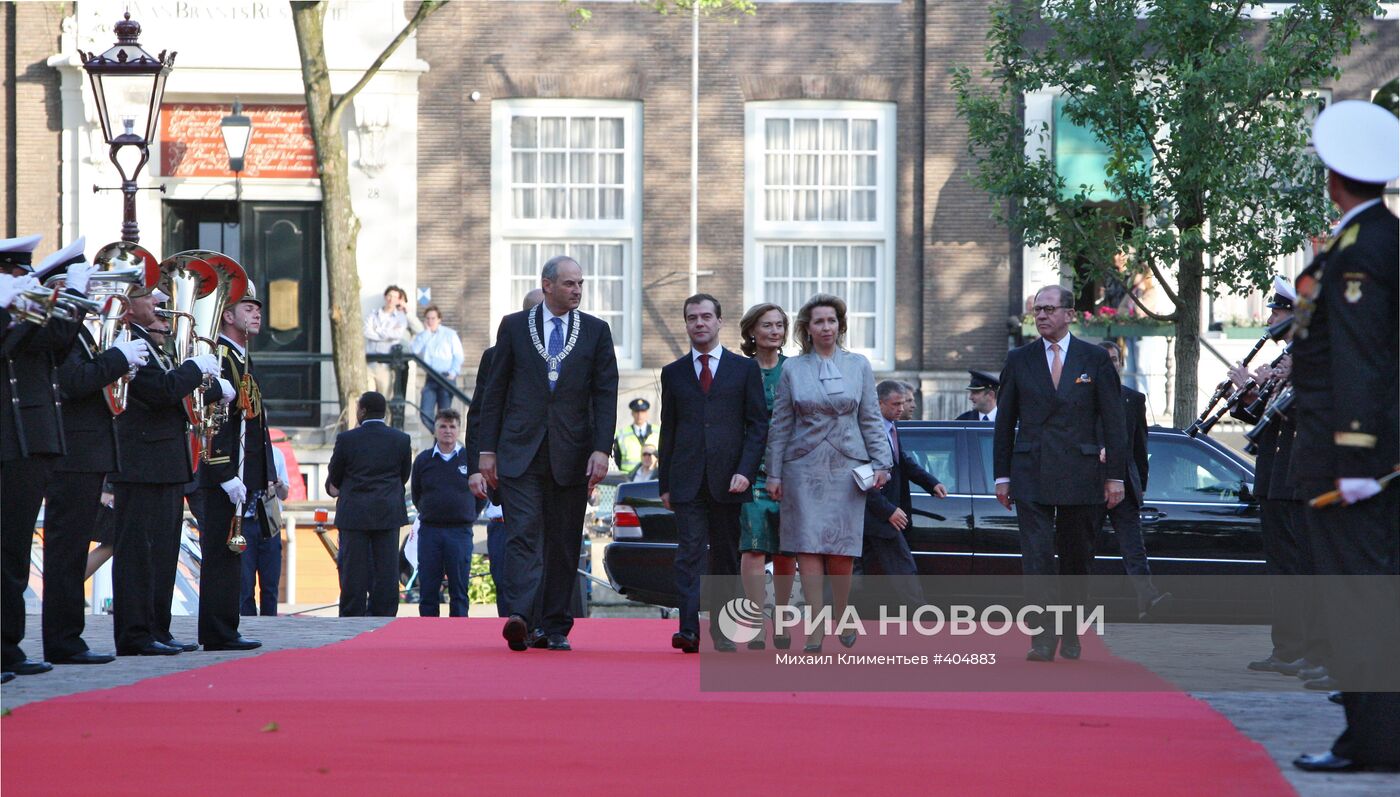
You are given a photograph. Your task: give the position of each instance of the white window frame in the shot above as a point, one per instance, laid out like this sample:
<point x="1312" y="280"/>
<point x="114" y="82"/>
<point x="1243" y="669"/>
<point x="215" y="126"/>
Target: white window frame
<point x="506" y="230"/>
<point x="759" y="232"/>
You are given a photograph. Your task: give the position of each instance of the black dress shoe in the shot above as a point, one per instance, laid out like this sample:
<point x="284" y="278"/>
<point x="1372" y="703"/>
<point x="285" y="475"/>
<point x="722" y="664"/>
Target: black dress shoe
<point x="6" y="677"/>
<point x="1274" y="664"/>
<point x="1156" y="608"/>
<point x="757" y="644"/>
<point x="515" y="632"/>
<point x="1324" y="684"/>
<point x="237" y="643"/>
<point x="685" y="642"/>
<point x="87" y="657"/>
<point x="723" y="645"/>
<point x="152" y="648"/>
<point x="30" y="667"/>
<point x="1329" y="762"/>
<point x="537" y="639"/>
<point x="188" y="647"/>
<point x="1069" y="648"/>
<point x="1312" y="673"/>
<point x="1037" y="653"/>
<point x="1335" y="697"/>
<point x="559" y="642"/>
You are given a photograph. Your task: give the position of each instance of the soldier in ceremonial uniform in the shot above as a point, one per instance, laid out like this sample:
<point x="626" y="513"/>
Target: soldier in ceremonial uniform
<point x="1345" y="352"/>
<point x="74" y="496"/>
<point x="239" y="473"/>
<point x="31" y="433"/>
<point x="982" y="392"/>
<point x="153" y="467"/>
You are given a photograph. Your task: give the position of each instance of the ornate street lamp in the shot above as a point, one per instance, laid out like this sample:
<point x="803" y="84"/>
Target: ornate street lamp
<point x="238" y="131"/>
<point x="128" y="83"/>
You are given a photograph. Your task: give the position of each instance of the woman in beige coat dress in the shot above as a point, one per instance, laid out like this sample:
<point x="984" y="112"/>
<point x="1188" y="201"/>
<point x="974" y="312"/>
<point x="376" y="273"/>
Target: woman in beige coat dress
<point x="826" y="422"/>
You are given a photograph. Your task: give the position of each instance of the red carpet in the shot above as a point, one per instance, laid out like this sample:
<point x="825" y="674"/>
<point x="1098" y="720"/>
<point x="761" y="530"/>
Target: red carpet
<point x="441" y="707"/>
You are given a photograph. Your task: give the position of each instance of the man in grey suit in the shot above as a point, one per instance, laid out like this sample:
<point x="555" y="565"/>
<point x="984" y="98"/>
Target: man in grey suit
<point x="714" y="423"/>
<point x="547" y="420"/>
<point x="367" y="472"/>
<point x="1062" y="391"/>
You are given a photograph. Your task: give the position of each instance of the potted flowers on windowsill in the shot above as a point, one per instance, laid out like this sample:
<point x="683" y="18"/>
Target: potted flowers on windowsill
<point x="1130" y="324"/>
<point x="1243" y="328"/>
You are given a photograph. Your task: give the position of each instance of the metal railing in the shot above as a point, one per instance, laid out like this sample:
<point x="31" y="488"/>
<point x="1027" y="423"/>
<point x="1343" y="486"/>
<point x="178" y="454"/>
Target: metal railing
<point x="398" y="361"/>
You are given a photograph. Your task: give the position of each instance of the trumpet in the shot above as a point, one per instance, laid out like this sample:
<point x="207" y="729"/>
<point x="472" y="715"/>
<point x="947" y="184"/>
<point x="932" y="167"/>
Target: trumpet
<point x="41" y="305"/>
<point x="1275" y="332"/>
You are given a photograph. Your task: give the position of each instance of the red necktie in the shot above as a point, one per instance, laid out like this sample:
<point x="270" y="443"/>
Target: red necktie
<point x="705" y="376"/>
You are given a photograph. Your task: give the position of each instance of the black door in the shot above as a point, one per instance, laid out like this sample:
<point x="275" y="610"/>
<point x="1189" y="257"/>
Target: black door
<point x="279" y="245"/>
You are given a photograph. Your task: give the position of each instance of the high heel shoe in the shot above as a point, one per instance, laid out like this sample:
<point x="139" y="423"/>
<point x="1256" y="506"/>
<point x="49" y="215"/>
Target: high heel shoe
<point x="814" y="647"/>
<point x="848" y="639"/>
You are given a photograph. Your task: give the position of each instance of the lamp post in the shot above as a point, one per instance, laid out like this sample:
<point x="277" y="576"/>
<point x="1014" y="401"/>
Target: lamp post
<point x="128" y="83"/>
<point x="238" y="131"/>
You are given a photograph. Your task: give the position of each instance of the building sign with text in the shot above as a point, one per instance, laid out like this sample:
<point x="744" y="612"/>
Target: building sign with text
<point x="192" y="145"/>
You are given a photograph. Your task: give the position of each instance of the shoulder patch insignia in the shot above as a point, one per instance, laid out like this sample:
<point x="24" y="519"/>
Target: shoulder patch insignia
<point x="1349" y="237"/>
<point x="1353" y="291"/>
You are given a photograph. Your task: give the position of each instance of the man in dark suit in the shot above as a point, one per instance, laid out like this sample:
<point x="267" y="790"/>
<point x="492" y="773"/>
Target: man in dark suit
<point x="368" y="470"/>
<point x="884" y="551"/>
<point x="239" y="472"/>
<point x="90" y="432"/>
<point x="154" y="466"/>
<point x="1127" y="525"/>
<point x="31" y="440"/>
<point x="495" y="531"/>
<point x="546" y="429"/>
<point x="1062" y="392"/>
<point x="982" y="392"/>
<point x="714" y="423"/>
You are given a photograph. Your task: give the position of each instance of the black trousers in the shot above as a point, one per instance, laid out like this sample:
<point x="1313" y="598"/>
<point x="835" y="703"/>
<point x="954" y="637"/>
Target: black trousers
<point x="369" y="572"/>
<point x="68" y="527"/>
<point x="220" y="569"/>
<point x="23" y="483"/>
<point x="544" y="533"/>
<point x="1358" y="554"/>
<point x="1316" y="648"/>
<point x="891" y="559"/>
<point x="1284" y="544"/>
<point x="707" y="544"/>
<point x="144" y="561"/>
<point x="1127" y="527"/>
<point x="1047" y="531"/>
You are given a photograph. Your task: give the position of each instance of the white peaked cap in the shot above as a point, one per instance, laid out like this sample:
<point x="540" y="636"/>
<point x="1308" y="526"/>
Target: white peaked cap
<point x="1360" y="140"/>
<point x="60" y="260"/>
<point x="1284" y="288"/>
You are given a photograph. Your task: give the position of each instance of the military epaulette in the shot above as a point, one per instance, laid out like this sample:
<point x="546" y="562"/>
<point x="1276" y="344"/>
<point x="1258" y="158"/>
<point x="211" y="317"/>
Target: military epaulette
<point x="1349" y="237"/>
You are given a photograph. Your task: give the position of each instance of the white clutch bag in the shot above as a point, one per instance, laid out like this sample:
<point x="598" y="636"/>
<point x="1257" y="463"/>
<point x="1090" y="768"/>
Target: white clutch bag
<point x="864" y="476"/>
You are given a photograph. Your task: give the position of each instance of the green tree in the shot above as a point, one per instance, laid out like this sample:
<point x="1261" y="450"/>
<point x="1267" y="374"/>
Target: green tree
<point x="1204" y="115"/>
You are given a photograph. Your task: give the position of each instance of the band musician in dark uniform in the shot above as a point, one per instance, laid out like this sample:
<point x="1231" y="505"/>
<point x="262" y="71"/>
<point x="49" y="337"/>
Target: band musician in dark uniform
<point x="1347" y="386"/>
<point x="238" y="475"/>
<point x="31" y="433"/>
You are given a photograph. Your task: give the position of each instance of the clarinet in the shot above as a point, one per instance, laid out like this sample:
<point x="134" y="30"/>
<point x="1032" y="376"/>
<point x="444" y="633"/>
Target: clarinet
<point x="1222" y="390"/>
<point x="1277" y="408"/>
<point x="1235" y="398"/>
<point x="1266" y="391"/>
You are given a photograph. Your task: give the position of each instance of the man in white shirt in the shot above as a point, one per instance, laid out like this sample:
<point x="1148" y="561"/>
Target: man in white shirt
<point x="441" y="349"/>
<point x="982" y="392"/>
<point x="386" y="328"/>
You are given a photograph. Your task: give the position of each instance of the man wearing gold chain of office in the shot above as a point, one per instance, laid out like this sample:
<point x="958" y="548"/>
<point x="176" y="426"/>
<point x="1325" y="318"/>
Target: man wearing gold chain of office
<point x="239" y="472"/>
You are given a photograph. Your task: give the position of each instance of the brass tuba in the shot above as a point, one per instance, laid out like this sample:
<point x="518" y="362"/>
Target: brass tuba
<point x="230" y="284"/>
<point x="189" y="278"/>
<point x="122" y="268"/>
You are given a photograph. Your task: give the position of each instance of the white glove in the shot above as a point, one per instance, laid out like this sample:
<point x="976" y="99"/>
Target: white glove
<point x="229" y="392"/>
<point x="78" y="275"/>
<point x="1354" y="490"/>
<point x="237" y="493"/>
<point x="208" y="364"/>
<point x="136" y="351"/>
<point x="12" y="287"/>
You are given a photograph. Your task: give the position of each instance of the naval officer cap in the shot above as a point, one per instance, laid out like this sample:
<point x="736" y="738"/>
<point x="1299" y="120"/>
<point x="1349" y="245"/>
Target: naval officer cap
<point x="983" y="380"/>
<point x="1360" y="140"/>
<point x="639" y="405"/>
<point x="59" y="261"/>
<point x="18" y="252"/>
<point x="1284" y="294"/>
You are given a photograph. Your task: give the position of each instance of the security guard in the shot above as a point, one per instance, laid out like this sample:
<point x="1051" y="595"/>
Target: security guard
<point x="1345" y="352"/>
<point x="89" y="429"/>
<point x="31" y="433"/>
<point x="627" y="444"/>
<point x="982" y="392"/>
<point x="240" y="471"/>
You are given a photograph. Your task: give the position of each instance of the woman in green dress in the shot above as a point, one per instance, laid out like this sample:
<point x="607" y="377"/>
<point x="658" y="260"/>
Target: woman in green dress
<point x="764" y="331"/>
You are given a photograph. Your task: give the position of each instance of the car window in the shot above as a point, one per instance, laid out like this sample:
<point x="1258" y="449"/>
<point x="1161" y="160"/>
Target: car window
<point x="984" y="441"/>
<point x="934" y="450"/>
<point x="1179" y="470"/>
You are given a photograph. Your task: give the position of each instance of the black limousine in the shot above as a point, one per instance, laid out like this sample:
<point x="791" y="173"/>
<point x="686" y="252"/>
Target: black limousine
<point x="1199" y="519"/>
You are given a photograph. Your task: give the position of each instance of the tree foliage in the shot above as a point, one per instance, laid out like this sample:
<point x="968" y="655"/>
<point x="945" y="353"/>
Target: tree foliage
<point x="1222" y="103"/>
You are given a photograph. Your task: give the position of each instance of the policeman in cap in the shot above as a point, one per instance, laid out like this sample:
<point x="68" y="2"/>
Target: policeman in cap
<point x="982" y="392"/>
<point x="1345" y="352"/>
<point x="628" y="442"/>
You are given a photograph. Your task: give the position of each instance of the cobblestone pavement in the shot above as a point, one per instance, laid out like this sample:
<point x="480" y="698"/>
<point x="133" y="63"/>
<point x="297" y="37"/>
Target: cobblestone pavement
<point x="1271" y="709"/>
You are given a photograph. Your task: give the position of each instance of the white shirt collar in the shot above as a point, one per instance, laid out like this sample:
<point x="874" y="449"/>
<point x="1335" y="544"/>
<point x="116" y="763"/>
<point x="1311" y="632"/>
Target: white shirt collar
<point x="437" y="451"/>
<point x="564" y="316"/>
<point x="372" y="420"/>
<point x="1353" y="213"/>
<point x="232" y="344"/>
<point x="714" y="354"/>
<point x="1064" y="342"/>
<point x="991" y="416"/>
